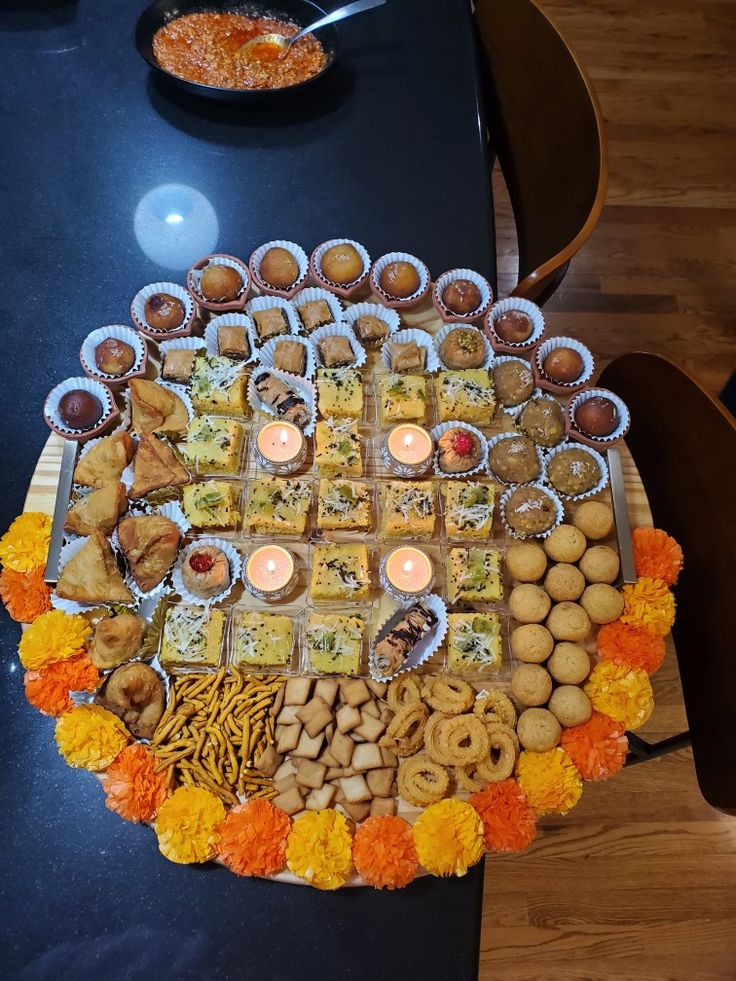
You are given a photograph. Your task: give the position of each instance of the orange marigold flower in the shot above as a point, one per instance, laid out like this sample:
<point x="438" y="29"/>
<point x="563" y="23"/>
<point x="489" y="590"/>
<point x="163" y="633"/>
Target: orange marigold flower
<point x="25" y="544"/>
<point x="253" y="839"/>
<point x="598" y="747"/>
<point x="632" y="645"/>
<point x="133" y="788"/>
<point x="48" y="689"/>
<point x="649" y="603"/>
<point x="25" y="594"/>
<point x="509" y="823"/>
<point x="384" y="852"/>
<point x="657" y="555"/>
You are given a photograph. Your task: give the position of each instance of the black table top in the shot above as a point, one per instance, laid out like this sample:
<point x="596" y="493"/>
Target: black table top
<point x="388" y="151"/>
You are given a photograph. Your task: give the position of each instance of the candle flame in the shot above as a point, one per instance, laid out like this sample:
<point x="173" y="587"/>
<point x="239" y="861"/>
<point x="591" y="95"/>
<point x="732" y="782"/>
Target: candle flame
<point x="408" y="440"/>
<point x="408" y="566"/>
<point x="284" y="436"/>
<point x="271" y="566"/>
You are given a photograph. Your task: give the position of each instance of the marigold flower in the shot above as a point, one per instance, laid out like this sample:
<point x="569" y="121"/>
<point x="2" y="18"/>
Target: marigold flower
<point x="25" y="544"/>
<point x="632" y="645"/>
<point x="550" y="780"/>
<point x="54" y="636"/>
<point x="624" y="694"/>
<point x="25" y="594"/>
<point x="188" y="825"/>
<point x="657" y="555"/>
<point x="48" y="689"/>
<point x="319" y="849"/>
<point x="90" y="737"/>
<point x="133" y="788"/>
<point x="449" y="837"/>
<point x="509" y="823"/>
<point x="384" y="852"/>
<point x="598" y="747"/>
<point x="253" y="839"/>
<point x="649" y="603"/>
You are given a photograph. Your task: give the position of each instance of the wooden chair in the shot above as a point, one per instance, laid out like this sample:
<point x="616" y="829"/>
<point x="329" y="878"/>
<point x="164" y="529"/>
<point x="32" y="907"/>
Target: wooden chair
<point x="684" y="445"/>
<point x="546" y="128"/>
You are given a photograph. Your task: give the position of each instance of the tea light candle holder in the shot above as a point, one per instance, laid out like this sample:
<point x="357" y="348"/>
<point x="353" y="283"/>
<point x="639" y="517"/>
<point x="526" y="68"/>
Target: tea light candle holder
<point x="270" y="573"/>
<point x="406" y="573"/>
<point x="407" y="450"/>
<point x="280" y="447"/>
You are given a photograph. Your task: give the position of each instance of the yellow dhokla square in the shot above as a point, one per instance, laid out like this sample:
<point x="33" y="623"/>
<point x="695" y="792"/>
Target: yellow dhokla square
<point x="473" y="641"/>
<point x="335" y="642"/>
<point x="468" y="509"/>
<point x="338" y="449"/>
<point x="343" y="504"/>
<point x="278" y="505"/>
<point x="465" y="396"/>
<point x="402" y="398"/>
<point x="219" y="386"/>
<point x="213" y="445"/>
<point x="192" y="637"/>
<point x="474" y="575"/>
<point x="407" y="508"/>
<point x="262" y="640"/>
<point x="212" y="504"/>
<point x="340" y="572"/>
<point x="339" y="393"/>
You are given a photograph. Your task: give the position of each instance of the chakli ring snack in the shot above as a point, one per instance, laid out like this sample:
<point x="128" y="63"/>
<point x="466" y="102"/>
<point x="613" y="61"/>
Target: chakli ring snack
<point x="504" y="749"/>
<point x="495" y="703"/>
<point x="404" y="690"/>
<point x="449" y="695"/>
<point x="405" y="731"/>
<point x="431" y="737"/>
<point x="422" y="781"/>
<point x="463" y="739"/>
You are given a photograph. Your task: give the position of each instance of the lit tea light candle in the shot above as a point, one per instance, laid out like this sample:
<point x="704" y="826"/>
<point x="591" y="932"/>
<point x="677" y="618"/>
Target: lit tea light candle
<point x="406" y="573"/>
<point x="270" y="572"/>
<point x="280" y="447"/>
<point x="407" y="450"/>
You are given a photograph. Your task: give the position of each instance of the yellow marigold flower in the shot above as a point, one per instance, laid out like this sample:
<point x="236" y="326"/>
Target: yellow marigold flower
<point x="188" y="825"/>
<point x="90" y="737"/>
<point x="550" y="781"/>
<point x="319" y="849"/>
<point x="649" y="603"/>
<point x="622" y="693"/>
<point x="449" y="837"/>
<point x="54" y="636"/>
<point x="25" y="544"/>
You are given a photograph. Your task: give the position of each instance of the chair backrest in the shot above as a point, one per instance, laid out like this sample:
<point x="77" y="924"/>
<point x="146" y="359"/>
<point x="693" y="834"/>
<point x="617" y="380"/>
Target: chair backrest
<point x="546" y="127"/>
<point x="684" y="446"/>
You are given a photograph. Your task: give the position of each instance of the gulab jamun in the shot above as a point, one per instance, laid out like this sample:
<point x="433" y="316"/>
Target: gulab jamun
<point x="164" y="311"/>
<point x="114" y="357"/>
<point x="399" y="279"/>
<point x="80" y="409"/>
<point x="341" y="264"/>
<point x="220" y="284"/>
<point x="563" y="365"/>
<point x="461" y="296"/>
<point x="597" y="416"/>
<point x="514" y="327"/>
<point x="279" y="268"/>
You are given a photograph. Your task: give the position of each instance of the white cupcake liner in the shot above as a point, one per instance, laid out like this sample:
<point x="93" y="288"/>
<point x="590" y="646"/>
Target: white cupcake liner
<point x="261" y="303"/>
<point x="120" y="333"/>
<point x="392" y="301"/>
<point x="551" y="344"/>
<point x="236" y="568"/>
<point x="315" y="262"/>
<point x="173" y="511"/>
<point x="424" y="649"/>
<point x="96" y="388"/>
<point x="442" y="428"/>
<point x="138" y="305"/>
<point x="550" y="493"/>
<point x="230" y="320"/>
<point x="389" y="317"/>
<point x="68" y="551"/>
<point x="178" y="390"/>
<point x="178" y="344"/>
<point x="266" y="355"/>
<point x="510" y="483"/>
<point x="536" y="395"/>
<point x="304" y="387"/>
<point x="599" y="459"/>
<point x="514" y="410"/>
<point x="403" y="337"/>
<point x="341" y="330"/>
<point x="194" y="279"/>
<point x="312" y="293"/>
<point x="254" y="264"/>
<point x="601" y="441"/>
<point x="525" y="306"/>
<point x="441" y="334"/>
<point x="484" y="288"/>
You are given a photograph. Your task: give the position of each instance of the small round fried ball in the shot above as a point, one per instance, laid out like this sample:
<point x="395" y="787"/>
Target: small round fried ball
<point x="538" y="730"/>
<point x="602" y="603"/>
<point x="594" y="519"/>
<point x="532" y="643"/>
<point x="600" y="564"/>
<point x="526" y="561"/>
<point x="569" y="664"/>
<point x="220" y="284"/>
<point x="528" y="603"/>
<point x="279" y="268"/>
<point x="570" y="705"/>
<point x="461" y="296"/>
<point x="568" y="621"/>
<point x="531" y="684"/>
<point x="342" y="264"/>
<point x="399" y="279"/>
<point x="564" y="582"/>
<point x="565" y="544"/>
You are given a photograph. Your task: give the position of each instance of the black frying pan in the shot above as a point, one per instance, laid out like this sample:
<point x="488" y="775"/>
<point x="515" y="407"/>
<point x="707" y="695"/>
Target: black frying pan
<point x="301" y="12"/>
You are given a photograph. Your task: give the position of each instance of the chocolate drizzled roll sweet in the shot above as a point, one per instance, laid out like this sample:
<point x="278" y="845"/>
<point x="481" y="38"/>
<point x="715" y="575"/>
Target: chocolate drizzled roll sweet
<point x="391" y="653"/>
<point x="286" y="401"/>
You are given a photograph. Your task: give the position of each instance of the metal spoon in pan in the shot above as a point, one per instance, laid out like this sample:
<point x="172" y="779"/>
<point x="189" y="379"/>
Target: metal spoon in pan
<point x="269" y="47"/>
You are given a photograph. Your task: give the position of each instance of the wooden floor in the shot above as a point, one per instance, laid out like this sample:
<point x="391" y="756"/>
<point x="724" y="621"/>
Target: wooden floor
<point x="638" y="882"/>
